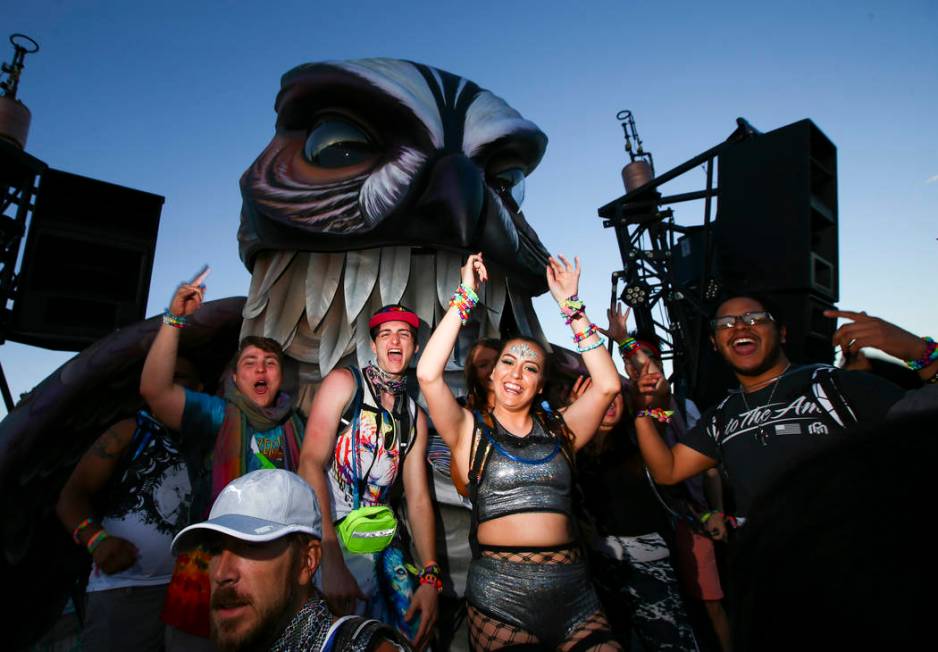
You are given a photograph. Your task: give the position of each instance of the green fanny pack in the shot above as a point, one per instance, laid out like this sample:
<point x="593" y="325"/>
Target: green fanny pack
<point x="368" y="529"/>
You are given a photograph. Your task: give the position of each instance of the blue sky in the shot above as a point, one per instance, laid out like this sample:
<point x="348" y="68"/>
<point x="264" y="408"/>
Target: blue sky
<point x="177" y="99"/>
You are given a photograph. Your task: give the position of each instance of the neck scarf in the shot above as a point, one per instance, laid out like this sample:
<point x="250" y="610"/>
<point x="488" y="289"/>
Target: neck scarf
<point x="243" y="418"/>
<point x="382" y="381"/>
<point x="308" y="630"/>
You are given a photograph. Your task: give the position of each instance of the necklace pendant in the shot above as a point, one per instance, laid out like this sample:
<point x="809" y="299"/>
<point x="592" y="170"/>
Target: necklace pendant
<point x="763" y="435"/>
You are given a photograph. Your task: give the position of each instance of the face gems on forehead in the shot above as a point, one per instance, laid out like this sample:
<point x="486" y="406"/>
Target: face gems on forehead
<point x="523" y="351"/>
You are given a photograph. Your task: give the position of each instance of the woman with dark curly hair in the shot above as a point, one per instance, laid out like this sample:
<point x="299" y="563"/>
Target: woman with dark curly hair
<point x="528" y="585"/>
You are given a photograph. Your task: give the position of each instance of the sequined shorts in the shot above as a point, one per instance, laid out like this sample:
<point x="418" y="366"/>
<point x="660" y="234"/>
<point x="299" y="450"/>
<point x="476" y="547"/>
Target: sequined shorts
<point x="548" y="600"/>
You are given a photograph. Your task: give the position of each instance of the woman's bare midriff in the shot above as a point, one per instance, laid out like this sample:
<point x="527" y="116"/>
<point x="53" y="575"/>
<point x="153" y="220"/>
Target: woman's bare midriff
<point x="535" y="529"/>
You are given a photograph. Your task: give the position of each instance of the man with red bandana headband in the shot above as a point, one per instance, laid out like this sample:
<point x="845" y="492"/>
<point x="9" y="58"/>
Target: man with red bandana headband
<point x="780" y="412"/>
<point x="254" y="426"/>
<point x="364" y="437"/>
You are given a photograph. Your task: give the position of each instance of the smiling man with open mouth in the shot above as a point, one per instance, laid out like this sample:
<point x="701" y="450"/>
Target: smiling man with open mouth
<point x="780" y="412"/>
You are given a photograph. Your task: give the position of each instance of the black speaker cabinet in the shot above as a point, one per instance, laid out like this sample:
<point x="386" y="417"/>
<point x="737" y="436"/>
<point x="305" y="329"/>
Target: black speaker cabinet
<point x="87" y="262"/>
<point x="776" y="225"/>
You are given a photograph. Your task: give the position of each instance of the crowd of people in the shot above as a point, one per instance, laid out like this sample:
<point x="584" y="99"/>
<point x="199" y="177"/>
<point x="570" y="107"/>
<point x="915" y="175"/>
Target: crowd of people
<point x="541" y="509"/>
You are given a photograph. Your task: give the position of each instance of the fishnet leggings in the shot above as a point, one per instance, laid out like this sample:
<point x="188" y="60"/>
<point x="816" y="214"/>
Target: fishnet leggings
<point x="487" y="633"/>
<point x="565" y="556"/>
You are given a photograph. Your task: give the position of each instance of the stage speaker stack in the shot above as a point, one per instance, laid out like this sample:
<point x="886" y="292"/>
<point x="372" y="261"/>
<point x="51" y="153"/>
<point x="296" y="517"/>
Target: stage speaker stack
<point x="87" y="262"/>
<point x="776" y="235"/>
<point x="776" y="229"/>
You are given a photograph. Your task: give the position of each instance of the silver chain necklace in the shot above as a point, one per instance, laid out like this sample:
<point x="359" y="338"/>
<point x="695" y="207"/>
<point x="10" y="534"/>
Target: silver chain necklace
<point x="762" y="434"/>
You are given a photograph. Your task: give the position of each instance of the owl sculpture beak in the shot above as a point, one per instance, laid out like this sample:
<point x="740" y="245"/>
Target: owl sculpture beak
<point x="452" y="202"/>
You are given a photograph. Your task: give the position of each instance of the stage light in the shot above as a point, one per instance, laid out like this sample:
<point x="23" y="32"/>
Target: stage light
<point x="636" y="294"/>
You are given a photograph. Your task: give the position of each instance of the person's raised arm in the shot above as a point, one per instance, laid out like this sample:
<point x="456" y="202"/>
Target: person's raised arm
<point x="448" y="417"/>
<point x="421" y="519"/>
<point x="583" y="415"/>
<point x="111" y="554"/>
<point x="632" y="355"/>
<point x="166" y="399"/>
<point x="666" y="465"/>
<point x="333" y="395"/>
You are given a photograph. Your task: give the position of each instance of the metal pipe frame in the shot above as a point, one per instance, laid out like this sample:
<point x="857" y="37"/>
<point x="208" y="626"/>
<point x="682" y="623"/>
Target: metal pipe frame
<point x="638" y="217"/>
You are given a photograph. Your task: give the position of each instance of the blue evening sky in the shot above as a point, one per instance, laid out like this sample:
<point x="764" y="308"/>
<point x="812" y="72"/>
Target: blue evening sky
<point x="176" y="98"/>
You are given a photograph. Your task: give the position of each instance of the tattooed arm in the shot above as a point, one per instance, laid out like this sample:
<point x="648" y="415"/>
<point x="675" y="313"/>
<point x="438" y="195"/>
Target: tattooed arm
<point x="91" y="475"/>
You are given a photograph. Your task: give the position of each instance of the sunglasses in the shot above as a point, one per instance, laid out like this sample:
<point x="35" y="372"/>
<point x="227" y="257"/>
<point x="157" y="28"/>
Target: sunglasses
<point x="748" y="318"/>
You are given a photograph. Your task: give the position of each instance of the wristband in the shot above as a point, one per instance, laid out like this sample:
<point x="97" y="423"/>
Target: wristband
<point x="628" y="347"/>
<point x="658" y="414"/>
<point x="176" y="321"/>
<point x="585" y="333"/>
<point x="464" y="300"/>
<point x="931" y="355"/>
<point x="706" y="515"/>
<point x="96" y="540"/>
<point x="430" y="575"/>
<point x="84" y="525"/>
<point x="571" y="309"/>
<point x="589" y="347"/>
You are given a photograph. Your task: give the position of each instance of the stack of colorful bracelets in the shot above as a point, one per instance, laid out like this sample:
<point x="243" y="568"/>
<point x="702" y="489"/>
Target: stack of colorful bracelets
<point x="176" y="321"/>
<point x="628" y="347"/>
<point x="464" y="300"/>
<point x="658" y="414"/>
<point x="585" y="334"/>
<point x="431" y="575"/>
<point x="571" y="309"/>
<point x="94" y="540"/>
<point x="931" y="355"/>
<point x="729" y="519"/>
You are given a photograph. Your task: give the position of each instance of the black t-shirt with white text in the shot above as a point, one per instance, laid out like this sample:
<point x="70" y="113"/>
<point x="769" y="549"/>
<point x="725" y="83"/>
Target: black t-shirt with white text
<point x="758" y="436"/>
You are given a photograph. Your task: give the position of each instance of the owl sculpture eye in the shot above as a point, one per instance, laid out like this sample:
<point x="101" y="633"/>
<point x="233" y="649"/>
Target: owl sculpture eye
<point x="337" y="143"/>
<point x="510" y="183"/>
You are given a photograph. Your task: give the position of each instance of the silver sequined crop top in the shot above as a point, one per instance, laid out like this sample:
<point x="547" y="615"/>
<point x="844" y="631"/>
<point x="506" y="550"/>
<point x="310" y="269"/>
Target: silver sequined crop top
<point x="510" y="487"/>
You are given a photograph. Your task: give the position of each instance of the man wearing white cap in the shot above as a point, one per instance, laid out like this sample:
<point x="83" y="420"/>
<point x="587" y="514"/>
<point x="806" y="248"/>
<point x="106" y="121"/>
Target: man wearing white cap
<point x="263" y="537"/>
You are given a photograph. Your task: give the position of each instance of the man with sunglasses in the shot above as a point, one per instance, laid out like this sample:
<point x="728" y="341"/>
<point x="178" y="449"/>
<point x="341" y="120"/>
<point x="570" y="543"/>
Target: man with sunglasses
<point x="779" y="413"/>
<point x="364" y="436"/>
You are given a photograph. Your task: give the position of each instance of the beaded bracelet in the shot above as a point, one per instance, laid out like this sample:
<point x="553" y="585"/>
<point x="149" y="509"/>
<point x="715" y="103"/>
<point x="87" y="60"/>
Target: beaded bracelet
<point x="571" y="309"/>
<point x="464" y="300"/>
<point x="589" y="347"/>
<point x="931" y="355"/>
<point x="96" y="540"/>
<point x="431" y="575"/>
<point x="585" y="333"/>
<point x="176" y="321"/>
<point x="628" y="347"/>
<point x="658" y="414"/>
<point x="84" y="525"/>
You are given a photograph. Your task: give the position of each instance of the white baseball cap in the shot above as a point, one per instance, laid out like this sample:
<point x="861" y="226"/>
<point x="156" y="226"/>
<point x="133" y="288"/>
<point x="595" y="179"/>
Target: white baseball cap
<point x="259" y="506"/>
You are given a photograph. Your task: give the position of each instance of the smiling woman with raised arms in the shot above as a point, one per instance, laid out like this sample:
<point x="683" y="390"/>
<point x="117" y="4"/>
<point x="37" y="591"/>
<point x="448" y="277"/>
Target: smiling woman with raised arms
<point x="528" y="585"/>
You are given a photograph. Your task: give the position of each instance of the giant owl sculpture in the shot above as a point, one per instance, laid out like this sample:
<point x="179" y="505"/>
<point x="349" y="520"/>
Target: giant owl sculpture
<point x="381" y="175"/>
